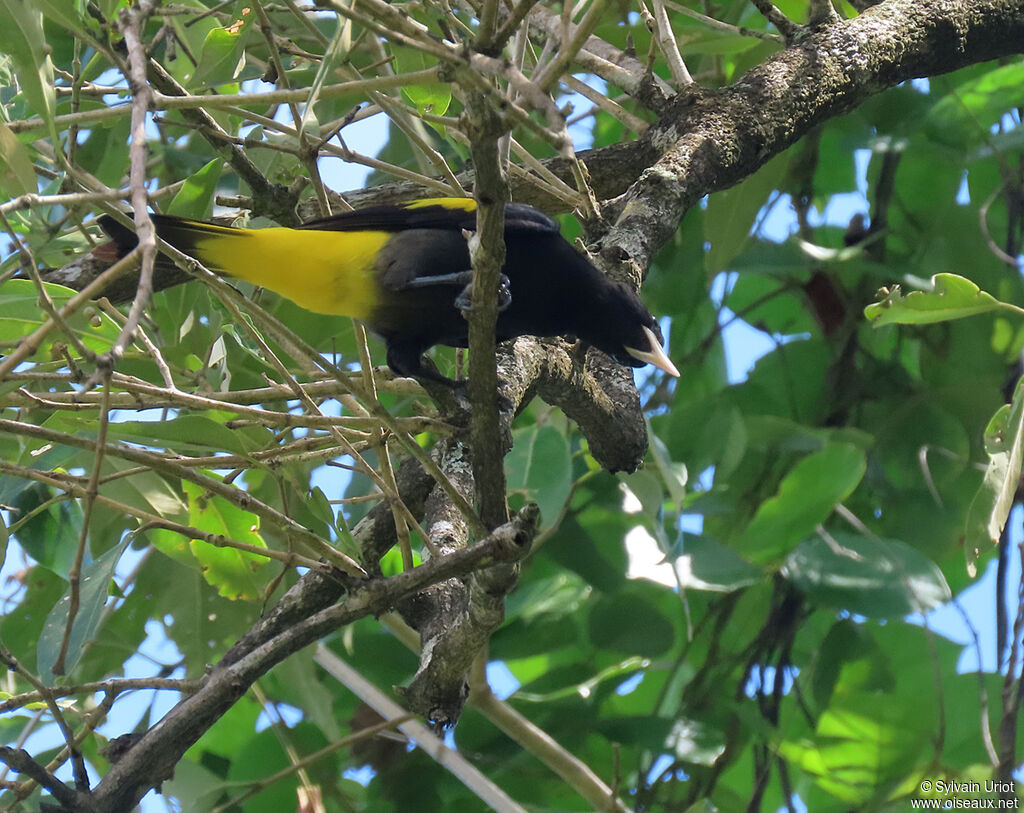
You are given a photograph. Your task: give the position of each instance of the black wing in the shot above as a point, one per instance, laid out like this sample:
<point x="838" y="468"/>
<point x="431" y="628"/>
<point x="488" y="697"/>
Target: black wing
<point x="450" y="214"/>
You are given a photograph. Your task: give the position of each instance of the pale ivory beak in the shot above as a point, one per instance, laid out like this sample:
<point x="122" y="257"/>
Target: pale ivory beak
<point x="656" y="355"/>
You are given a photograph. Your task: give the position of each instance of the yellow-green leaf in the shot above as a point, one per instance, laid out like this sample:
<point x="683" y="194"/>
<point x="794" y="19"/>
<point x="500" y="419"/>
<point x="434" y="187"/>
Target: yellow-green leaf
<point x="17" y="175"/>
<point x="949" y="297"/>
<point x="21" y="37"/>
<point x="195" y="197"/>
<point x="990" y="508"/>
<point x="235" y="573"/>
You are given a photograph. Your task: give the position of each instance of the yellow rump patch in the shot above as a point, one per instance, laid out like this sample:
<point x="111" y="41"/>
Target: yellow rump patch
<point x="463" y="204"/>
<point x="323" y="271"/>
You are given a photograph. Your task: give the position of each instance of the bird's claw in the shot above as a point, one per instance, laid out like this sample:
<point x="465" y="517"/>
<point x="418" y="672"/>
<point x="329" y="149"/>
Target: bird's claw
<point x="464" y="301"/>
<point x="504" y="293"/>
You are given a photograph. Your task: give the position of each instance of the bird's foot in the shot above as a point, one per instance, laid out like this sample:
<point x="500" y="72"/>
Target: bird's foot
<point x="464" y="301"/>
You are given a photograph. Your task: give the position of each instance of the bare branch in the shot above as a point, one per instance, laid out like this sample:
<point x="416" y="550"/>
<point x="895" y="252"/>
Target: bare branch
<point x="666" y="39"/>
<point x="772" y="14"/>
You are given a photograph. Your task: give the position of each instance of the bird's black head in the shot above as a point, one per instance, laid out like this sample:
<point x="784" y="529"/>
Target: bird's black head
<point x="626" y="330"/>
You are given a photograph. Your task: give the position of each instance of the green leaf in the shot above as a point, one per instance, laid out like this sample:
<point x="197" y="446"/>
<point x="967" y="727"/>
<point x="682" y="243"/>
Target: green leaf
<point x="629" y="621"/>
<point x="863" y="743"/>
<point x="22" y="625"/>
<point x="540" y="466"/>
<point x="950" y="297"/>
<point x="194" y="787"/>
<point x="964" y="115"/>
<point x="433" y="97"/>
<point x="806" y="497"/>
<point x="110" y="7"/>
<point x="695" y="742"/>
<point x="17" y="175"/>
<point x="784" y="262"/>
<point x="264" y="754"/>
<point x="616" y="672"/>
<point x="707" y="565"/>
<point x="655" y="733"/>
<point x="673" y="474"/>
<point x="730" y="215"/>
<point x="298" y="681"/>
<point x="94" y="588"/>
<point x="648" y="489"/>
<point x="50" y="535"/>
<point x="68" y="14"/>
<point x="715" y="42"/>
<point x="990" y="508"/>
<point x="231" y="571"/>
<point x="189" y="433"/>
<point x="322" y="509"/>
<point x="557" y="595"/>
<point x="195" y="198"/>
<point x="222" y="56"/>
<point x="20" y="315"/>
<point x="877" y="578"/>
<point x="21" y="37"/>
<point x="849" y="659"/>
<point x="145" y="490"/>
<point x="337" y="51"/>
<point x="772" y="388"/>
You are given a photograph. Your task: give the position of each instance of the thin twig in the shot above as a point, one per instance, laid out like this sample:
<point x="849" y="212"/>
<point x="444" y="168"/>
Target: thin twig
<point x="145" y="341"/>
<point x="1011" y="261"/>
<point x="67" y="200"/>
<point x="81" y="776"/>
<point x="511" y="25"/>
<point x="311" y="759"/>
<point x="453" y="761"/>
<point x="91" y="491"/>
<point x="131" y="22"/>
<point x="116" y="686"/>
<point x="44" y="296"/>
<point x="20" y="761"/>
<point x="718" y="25"/>
<point x="572" y="43"/>
<point x="273" y="518"/>
<point x="605" y="104"/>
<point x="667" y="43"/>
<point x="578" y="775"/>
<point x="162" y="101"/>
<point x="29" y="345"/>
<point x="772" y="14"/>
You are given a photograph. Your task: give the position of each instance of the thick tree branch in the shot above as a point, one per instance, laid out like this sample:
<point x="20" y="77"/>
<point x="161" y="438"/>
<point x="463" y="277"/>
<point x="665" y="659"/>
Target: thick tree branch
<point x="599" y="396"/>
<point x="456" y="618"/>
<point x="151" y="761"/>
<point x="21" y="761"/>
<point x="437" y="689"/>
<point x="711" y="140"/>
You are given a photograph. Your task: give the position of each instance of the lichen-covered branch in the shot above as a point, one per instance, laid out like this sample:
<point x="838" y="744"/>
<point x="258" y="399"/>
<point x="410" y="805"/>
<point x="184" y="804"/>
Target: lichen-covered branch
<point x="711" y="140"/>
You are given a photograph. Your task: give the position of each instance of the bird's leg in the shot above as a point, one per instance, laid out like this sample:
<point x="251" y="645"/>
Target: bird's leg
<point x="464" y="297"/>
<point x="457" y="278"/>
<point x="450" y="396"/>
<point x="407" y="360"/>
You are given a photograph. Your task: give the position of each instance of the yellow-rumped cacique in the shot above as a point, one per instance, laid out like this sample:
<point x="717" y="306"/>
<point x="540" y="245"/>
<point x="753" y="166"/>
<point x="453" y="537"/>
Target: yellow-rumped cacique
<point x="404" y="271"/>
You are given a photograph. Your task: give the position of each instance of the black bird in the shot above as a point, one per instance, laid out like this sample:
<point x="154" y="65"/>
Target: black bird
<point x="404" y="271"/>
